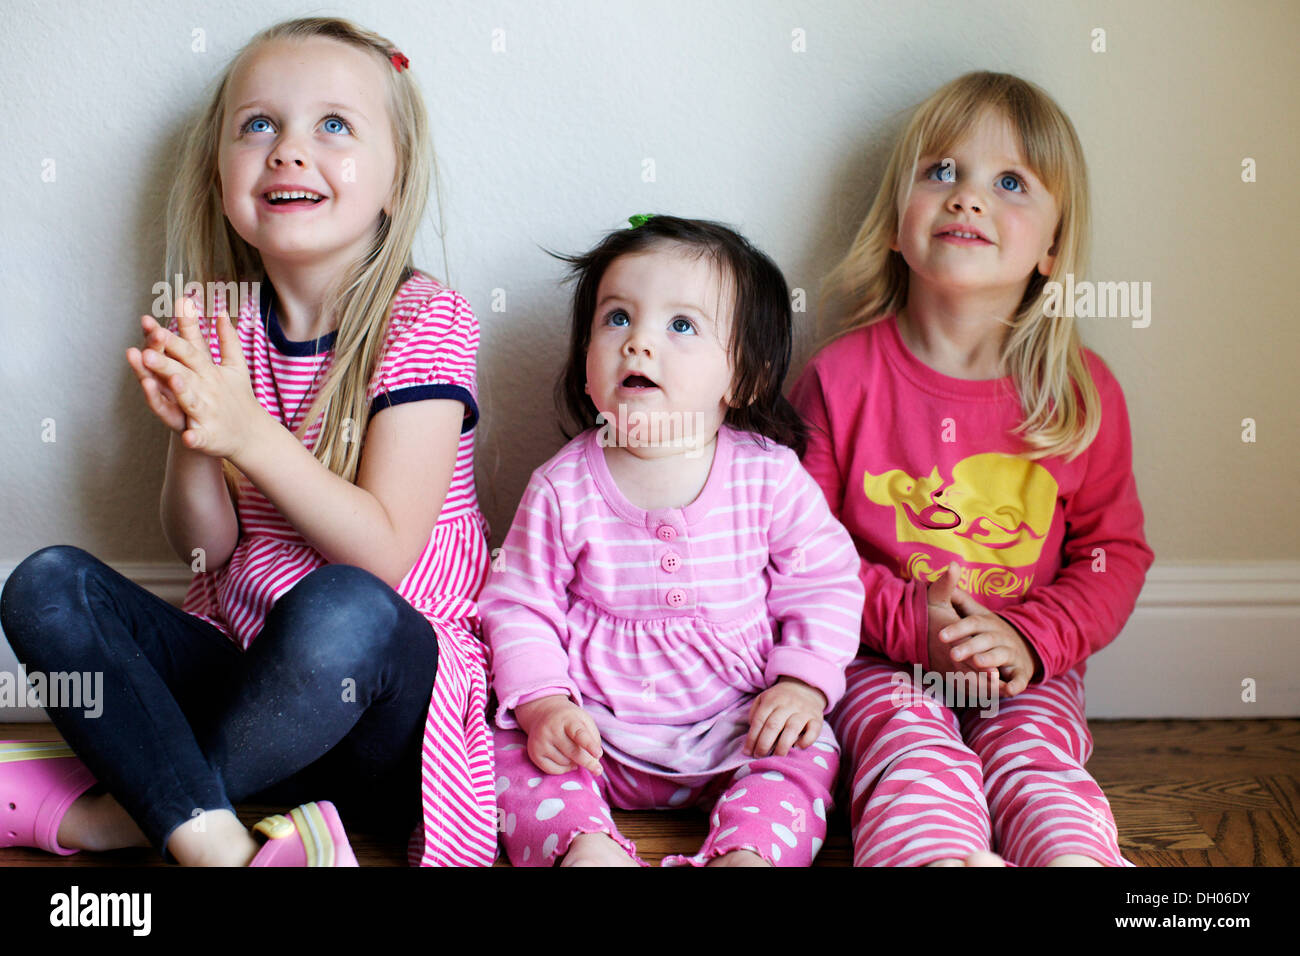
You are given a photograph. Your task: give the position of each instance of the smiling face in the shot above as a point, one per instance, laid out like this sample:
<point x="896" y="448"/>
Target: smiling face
<point x="977" y="218"/>
<point x="659" y="343"/>
<point x="307" y="161"/>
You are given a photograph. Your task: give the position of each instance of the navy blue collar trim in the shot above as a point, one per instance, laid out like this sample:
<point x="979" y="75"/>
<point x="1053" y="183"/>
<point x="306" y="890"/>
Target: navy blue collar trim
<point x="283" y="345"/>
<point x="286" y="346"/>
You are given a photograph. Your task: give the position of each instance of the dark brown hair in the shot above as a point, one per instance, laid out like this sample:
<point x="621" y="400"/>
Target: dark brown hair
<point x="761" y="330"/>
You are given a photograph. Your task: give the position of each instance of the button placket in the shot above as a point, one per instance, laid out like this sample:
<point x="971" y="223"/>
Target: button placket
<point x="671" y="561"/>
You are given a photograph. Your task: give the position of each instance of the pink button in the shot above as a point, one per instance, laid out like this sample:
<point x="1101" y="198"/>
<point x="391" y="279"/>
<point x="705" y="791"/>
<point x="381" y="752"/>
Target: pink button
<point x="676" y="597"/>
<point x="671" y="561"/>
<point x="666" y="532"/>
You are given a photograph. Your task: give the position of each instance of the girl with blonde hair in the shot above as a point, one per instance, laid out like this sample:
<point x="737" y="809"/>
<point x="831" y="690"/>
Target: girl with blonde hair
<point x="320" y="478"/>
<point x="981" y="459"/>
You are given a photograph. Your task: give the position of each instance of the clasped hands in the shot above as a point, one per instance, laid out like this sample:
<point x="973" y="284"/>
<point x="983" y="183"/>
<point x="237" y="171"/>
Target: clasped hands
<point x="562" y="736"/>
<point x="212" y="407"/>
<point x="965" y="636"/>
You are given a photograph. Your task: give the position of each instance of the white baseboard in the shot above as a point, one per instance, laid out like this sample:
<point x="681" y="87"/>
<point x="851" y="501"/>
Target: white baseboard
<point x="1198" y="632"/>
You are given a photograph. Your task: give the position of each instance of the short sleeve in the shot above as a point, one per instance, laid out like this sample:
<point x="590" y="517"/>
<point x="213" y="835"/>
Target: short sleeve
<point x="430" y="353"/>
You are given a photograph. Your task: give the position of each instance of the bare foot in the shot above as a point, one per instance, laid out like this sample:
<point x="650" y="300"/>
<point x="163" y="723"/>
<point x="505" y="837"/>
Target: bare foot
<point x="978" y="858"/>
<point x="98" y="823"/>
<point x="596" y="849"/>
<point x="212" y="838"/>
<point x="738" y="858"/>
<point x="1074" y="859"/>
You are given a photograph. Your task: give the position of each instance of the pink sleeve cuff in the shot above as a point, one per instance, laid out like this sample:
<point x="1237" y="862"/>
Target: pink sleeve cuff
<point x="809" y="668"/>
<point x="506" y="706"/>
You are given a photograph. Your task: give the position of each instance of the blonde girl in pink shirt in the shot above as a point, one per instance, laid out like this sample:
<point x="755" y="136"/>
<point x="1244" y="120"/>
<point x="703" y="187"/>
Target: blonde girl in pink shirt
<point x="981" y="459"/>
<point x="320" y="479"/>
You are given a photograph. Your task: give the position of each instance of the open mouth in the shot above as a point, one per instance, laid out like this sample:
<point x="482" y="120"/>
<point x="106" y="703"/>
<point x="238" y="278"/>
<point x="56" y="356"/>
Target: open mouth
<point x="963" y="235"/>
<point x="638" y="381"/>
<point x="295" y="198"/>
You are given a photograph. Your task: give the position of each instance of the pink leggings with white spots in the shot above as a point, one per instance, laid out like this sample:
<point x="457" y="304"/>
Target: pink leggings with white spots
<point x="773" y="806"/>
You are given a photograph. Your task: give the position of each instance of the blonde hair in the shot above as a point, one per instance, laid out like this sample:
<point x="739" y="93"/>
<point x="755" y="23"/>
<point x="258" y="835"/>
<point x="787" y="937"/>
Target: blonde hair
<point x="203" y="246"/>
<point x="1059" y="401"/>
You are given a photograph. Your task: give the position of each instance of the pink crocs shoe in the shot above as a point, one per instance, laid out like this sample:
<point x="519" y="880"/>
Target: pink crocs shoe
<point x="39" y="780"/>
<point x="311" y="835"/>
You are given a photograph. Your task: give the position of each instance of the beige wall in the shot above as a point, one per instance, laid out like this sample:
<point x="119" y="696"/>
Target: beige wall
<point x="543" y="145"/>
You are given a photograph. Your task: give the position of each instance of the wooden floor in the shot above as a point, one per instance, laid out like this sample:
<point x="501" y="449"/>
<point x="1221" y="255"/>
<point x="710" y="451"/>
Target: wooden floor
<point x="1185" y="793"/>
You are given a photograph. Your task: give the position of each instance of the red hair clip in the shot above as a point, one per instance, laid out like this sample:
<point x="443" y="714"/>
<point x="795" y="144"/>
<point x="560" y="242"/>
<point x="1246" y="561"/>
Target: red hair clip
<point x="399" y="61"/>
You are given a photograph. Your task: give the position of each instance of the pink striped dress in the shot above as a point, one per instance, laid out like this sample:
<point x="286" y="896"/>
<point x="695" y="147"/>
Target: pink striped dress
<point x="663" y="625"/>
<point x="429" y="353"/>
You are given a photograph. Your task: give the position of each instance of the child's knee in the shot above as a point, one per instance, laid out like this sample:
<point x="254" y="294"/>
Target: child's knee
<point x="337" y="616"/>
<point x="46" y="581"/>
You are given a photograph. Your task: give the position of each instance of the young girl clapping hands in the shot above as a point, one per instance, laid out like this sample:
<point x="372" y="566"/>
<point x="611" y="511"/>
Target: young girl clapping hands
<point x="327" y="646"/>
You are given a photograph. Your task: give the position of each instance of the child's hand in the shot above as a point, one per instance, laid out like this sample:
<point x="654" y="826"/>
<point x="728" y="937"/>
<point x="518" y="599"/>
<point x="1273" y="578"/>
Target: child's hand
<point x="561" y="735"/>
<point x="787" y="713"/>
<point x="983" y="640"/>
<point x="942" y="613"/>
<point x="157" y="392"/>
<point x="217" y="400"/>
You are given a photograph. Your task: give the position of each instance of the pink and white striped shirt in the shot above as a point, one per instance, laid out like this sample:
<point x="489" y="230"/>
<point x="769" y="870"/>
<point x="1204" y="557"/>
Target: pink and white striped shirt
<point x="429" y="353"/>
<point x="663" y="625"/>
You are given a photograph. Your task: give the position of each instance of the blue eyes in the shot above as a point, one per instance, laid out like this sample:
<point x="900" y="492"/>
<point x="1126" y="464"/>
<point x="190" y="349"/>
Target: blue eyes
<point x="620" y="319"/>
<point x="331" y="124"/>
<point x="947" y="173"/>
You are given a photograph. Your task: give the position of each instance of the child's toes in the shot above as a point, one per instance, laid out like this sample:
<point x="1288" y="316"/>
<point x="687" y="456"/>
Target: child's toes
<point x="984" y="858"/>
<point x="1074" y="859"/>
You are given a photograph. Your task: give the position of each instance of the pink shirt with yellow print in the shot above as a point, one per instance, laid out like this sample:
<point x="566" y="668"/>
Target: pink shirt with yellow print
<point x="923" y="470"/>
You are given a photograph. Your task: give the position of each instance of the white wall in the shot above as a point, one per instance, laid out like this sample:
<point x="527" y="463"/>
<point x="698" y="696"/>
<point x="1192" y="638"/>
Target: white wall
<point x="544" y="144"/>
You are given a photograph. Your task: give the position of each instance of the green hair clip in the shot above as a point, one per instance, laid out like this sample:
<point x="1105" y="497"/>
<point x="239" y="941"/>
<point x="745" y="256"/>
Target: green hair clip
<point x="640" y="219"/>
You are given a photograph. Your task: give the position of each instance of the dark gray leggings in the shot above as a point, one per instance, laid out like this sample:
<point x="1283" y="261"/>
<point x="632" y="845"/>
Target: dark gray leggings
<point x="328" y="703"/>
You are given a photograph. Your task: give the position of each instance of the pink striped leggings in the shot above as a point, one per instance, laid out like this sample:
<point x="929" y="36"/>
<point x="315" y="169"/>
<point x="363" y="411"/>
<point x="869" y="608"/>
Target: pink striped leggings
<point x="929" y="782"/>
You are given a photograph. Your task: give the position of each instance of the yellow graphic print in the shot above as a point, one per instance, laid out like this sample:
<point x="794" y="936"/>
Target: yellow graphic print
<point x="996" y="510"/>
